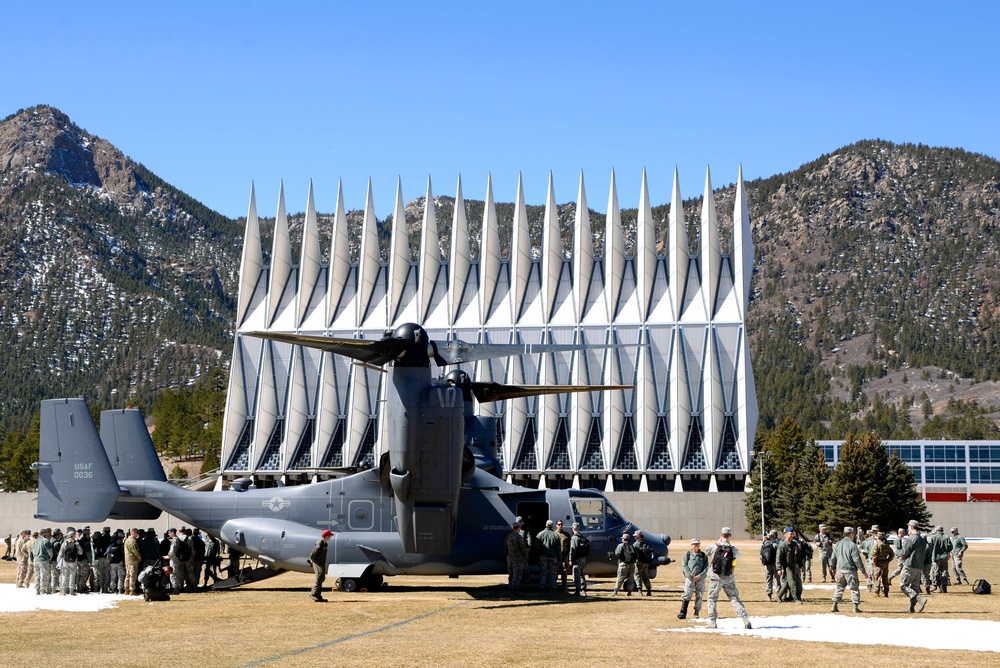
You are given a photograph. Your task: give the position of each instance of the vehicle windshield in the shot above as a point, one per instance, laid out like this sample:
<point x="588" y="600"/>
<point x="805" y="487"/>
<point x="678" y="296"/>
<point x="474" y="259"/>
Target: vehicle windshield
<point x="596" y="514"/>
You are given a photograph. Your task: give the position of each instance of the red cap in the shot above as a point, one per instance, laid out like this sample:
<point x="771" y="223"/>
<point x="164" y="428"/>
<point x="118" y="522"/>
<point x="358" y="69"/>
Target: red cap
<point x="327" y="532"/>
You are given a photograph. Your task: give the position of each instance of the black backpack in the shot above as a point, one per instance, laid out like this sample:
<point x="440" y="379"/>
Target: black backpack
<point x="582" y="547"/>
<point x="981" y="587"/>
<point x="768" y="553"/>
<point x="722" y="560"/>
<point x="72" y="552"/>
<point x="644" y="555"/>
<point x="116" y="553"/>
<point x="183" y="551"/>
<point x="628" y="554"/>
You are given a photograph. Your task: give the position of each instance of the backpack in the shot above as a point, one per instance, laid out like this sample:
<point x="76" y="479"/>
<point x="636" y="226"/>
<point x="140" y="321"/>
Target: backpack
<point x="115" y="553"/>
<point x="981" y="587"/>
<point x="183" y="551"/>
<point x="72" y="552"/>
<point x="644" y="555"/>
<point x="722" y="559"/>
<point x="807" y="549"/>
<point x="628" y="554"/>
<point x="582" y="547"/>
<point x="768" y="553"/>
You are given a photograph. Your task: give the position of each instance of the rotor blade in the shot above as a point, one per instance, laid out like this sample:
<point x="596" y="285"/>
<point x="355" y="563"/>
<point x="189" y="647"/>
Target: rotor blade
<point x="487" y="392"/>
<point x="455" y="351"/>
<point x="371" y="351"/>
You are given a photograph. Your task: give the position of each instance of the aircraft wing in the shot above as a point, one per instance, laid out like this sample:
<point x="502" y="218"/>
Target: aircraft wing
<point x="487" y="392"/>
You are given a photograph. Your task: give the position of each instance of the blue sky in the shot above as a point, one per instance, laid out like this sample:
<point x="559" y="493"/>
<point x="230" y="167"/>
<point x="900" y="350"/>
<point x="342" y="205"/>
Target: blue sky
<point x="211" y="96"/>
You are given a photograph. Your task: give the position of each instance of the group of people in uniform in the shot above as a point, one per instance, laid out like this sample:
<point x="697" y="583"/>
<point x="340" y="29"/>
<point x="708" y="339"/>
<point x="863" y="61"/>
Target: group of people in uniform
<point x="559" y="554"/>
<point x="75" y="562"/>
<point x="921" y="561"/>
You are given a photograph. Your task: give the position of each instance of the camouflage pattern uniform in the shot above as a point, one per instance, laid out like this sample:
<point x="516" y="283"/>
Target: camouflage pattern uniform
<point x="116" y="564"/>
<point x="549" y="554"/>
<point x="915" y="553"/>
<point x="22" y="555"/>
<point x="824" y="545"/>
<point x="958" y="548"/>
<point x="625" y="554"/>
<point x="940" y="553"/>
<point x="41" y="557"/>
<point x="133" y="557"/>
<point x="70" y="550"/>
<point x="695" y="568"/>
<point x="897" y="548"/>
<point x="56" y="572"/>
<point x="642" y="551"/>
<point x="881" y="558"/>
<point x="726" y="583"/>
<point x="517" y="557"/>
<point x="846" y="561"/>
<point x="771" y="582"/>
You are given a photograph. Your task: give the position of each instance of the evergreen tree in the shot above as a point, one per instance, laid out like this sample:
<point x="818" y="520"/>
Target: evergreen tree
<point x="905" y="501"/>
<point x="857" y="494"/>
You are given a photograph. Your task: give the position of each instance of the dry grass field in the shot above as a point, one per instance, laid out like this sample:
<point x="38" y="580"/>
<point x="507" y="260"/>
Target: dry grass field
<point x="456" y="622"/>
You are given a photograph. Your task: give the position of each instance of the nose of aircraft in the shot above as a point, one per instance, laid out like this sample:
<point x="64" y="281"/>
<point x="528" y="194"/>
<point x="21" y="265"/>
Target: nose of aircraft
<point x="659" y="543"/>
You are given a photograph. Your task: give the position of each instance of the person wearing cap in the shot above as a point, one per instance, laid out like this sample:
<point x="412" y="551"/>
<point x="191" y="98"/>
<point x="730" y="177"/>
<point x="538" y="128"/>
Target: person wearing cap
<point x="722" y="556"/>
<point x="517" y="557"/>
<point x="41" y="561"/>
<point x="845" y="562"/>
<point x="85" y="566"/>
<point x="182" y="562"/>
<point x="116" y="563"/>
<point x="133" y="557"/>
<point x="317" y="559"/>
<point x="824" y="545"/>
<point x="71" y="556"/>
<point x="549" y="553"/>
<point x="527" y="538"/>
<point x="625" y="554"/>
<point x="579" y="550"/>
<point x="643" y="558"/>
<point x="940" y="553"/>
<point x="22" y="555"/>
<point x="54" y="569"/>
<point x="768" y="552"/>
<point x="695" y="568"/>
<point x="213" y="558"/>
<point x="8" y="543"/>
<point x="915" y="554"/>
<point x="881" y="558"/>
<point x="788" y="561"/>
<point x="958" y="548"/>
<point x="149" y="548"/>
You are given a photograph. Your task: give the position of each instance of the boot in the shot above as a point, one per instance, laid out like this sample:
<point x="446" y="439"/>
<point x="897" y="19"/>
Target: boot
<point x="921" y="602"/>
<point x="834" y="608"/>
<point x="746" y="623"/>
<point x="711" y="624"/>
<point x="684" y="610"/>
<point x="944" y="587"/>
<point x="857" y="608"/>
<point x="913" y="604"/>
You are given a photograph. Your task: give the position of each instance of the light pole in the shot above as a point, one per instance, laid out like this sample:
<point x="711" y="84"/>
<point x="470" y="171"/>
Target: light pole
<point x="766" y="454"/>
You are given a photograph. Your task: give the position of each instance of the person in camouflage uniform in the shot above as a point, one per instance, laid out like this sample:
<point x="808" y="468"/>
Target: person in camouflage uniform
<point x="22" y="555"/>
<point x="41" y="558"/>
<point x="866" y="552"/>
<point x="517" y="557"/>
<point x="881" y="558"/>
<point x="625" y="554"/>
<point x="549" y="554"/>
<point x="71" y="554"/>
<point x="846" y="561"/>
<point x="57" y="540"/>
<point x="824" y="545"/>
<point x="643" y="558"/>
<point x="695" y="568"/>
<point x="958" y="548"/>
<point x="133" y="557"/>
<point x="897" y="548"/>
<point x="915" y="554"/>
<point x="564" y="567"/>
<point x="788" y="563"/>
<point x="940" y="553"/>
<point x="768" y="550"/>
<point x="116" y="563"/>
<point x="726" y="583"/>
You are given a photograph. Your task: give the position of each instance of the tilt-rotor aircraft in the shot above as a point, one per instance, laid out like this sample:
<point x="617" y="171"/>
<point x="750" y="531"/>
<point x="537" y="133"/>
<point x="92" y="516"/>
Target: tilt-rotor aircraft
<point x="435" y="505"/>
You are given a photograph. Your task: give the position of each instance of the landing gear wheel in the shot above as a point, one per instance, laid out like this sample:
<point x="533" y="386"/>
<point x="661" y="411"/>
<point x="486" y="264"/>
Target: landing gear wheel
<point x="372" y="582"/>
<point x="347" y="584"/>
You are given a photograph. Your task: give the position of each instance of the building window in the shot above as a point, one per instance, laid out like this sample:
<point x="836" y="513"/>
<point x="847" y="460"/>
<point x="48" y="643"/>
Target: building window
<point x="908" y="453"/>
<point x="984" y="453"/>
<point x="944" y="453"/>
<point x="984" y="475"/>
<point x="945" y="475"/>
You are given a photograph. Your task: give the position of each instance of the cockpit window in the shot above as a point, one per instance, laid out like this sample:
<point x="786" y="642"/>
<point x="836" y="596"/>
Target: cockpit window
<point x="589" y="513"/>
<point x="614" y="519"/>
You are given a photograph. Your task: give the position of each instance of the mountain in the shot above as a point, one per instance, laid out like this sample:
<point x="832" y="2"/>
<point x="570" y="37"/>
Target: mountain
<point x="875" y="295"/>
<point x="113" y="281"/>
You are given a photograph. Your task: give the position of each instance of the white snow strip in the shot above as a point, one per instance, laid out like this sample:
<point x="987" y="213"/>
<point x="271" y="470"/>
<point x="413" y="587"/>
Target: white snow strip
<point x="919" y="631"/>
<point x="13" y="599"/>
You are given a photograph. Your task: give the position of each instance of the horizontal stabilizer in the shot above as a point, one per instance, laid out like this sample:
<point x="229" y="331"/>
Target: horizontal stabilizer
<point x="487" y="392"/>
<point x="75" y="479"/>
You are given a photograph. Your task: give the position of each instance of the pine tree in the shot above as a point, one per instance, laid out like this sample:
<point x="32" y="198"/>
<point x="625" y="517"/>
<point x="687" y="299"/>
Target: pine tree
<point x="856" y="494"/>
<point x="905" y="501"/>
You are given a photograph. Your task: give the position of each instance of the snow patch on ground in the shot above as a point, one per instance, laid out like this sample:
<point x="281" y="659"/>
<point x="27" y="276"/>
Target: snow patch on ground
<point x="927" y="632"/>
<point x="13" y="599"/>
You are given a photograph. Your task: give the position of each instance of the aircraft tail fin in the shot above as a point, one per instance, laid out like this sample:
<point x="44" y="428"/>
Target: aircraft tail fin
<point x="132" y="456"/>
<point x="75" y="480"/>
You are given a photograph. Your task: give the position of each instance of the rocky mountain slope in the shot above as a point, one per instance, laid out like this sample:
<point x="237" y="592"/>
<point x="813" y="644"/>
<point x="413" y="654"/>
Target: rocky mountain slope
<point x="875" y="292"/>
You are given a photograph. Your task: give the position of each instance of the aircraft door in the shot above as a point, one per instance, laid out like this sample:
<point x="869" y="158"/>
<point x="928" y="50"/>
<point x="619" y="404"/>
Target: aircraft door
<point x="534" y="514"/>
